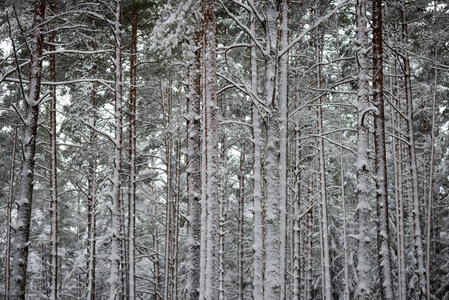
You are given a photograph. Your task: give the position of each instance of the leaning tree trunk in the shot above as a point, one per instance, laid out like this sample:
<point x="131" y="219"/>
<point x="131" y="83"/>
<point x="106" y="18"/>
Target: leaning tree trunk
<point x="114" y="280"/>
<point x="363" y="209"/>
<point x="383" y="232"/>
<point x="24" y="201"/>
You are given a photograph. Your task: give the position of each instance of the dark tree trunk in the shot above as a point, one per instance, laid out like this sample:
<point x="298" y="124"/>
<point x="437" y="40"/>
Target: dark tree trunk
<point x="383" y="241"/>
<point x="24" y="202"/>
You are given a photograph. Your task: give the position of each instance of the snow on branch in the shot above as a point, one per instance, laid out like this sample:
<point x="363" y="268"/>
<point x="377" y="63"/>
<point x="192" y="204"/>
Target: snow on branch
<point x="245" y="28"/>
<point x="315" y="25"/>
<point x="101" y="81"/>
<point x="67" y="51"/>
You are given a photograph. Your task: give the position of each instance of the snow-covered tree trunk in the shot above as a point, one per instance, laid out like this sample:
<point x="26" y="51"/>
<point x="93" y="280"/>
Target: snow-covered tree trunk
<point x="383" y="231"/>
<point x="308" y="284"/>
<point x="156" y="263"/>
<point x="257" y="175"/>
<point x="419" y="251"/>
<point x="431" y="178"/>
<point x="9" y="205"/>
<point x="272" y="282"/>
<point x="25" y="198"/>
<point x="283" y="108"/>
<point x="170" y="219"/>
<point x="241" y="220"/>
<point x="114" y="279"/>
<point x="322" y="172"/>
<point x="212" y="174"/>
<point x="296" y="249"/>
<point x="91" y="201"/>
<point x="194" y="169"/>
<point x="346" y="293"/>
<point x="363" y="208"/>
<point x="53" y="170"/>
<point x="399" y="187"/>
<point x="132" y="158"/>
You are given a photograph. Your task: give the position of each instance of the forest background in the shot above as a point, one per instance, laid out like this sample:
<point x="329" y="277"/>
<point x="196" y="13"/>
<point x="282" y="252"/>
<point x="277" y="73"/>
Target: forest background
<point x="231" y="149"/>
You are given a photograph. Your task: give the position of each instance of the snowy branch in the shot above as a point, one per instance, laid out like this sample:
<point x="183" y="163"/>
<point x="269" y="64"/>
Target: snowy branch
<point x="315" y="25"/>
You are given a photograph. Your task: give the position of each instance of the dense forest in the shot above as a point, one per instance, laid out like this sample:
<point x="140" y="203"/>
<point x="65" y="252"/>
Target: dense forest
<point x="229" y="149"/>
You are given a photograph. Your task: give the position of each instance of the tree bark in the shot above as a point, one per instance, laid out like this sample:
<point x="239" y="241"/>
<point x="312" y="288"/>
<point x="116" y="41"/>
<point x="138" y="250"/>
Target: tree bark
<point x="132" y="159"/>
<point x="417" y="235"/>
<point x="363" y="208"/>
<point x="241" y="220"/>
<point x="322" y="171"/>
<point x="24" y="201"/>
<point x="114" y="279"/>
<point x="272" y="282"/>
<point x="194" y="169"/>
<point x="257" y="175"/>
<point x="8" y="215"/>
<point x="92" y="200"/>
<point x="430" y="195"/>
<point x="212" y="174"/>
<point x="283" y="130"/>
<point x="53" y="171"/>
<point x="383" y="231"/>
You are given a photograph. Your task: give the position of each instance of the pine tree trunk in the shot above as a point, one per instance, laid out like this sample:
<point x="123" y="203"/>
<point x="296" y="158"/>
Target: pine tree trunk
<point x="114" y="280"/>
<point x="383" y="231"/>
<point x="212" y="174"/>
<point x="170" y="205"/>
<point x="257" y="176"/>
<point x="322" y="171"/>
<point x="241" y="220"/>
<point x="309" y="243"/>
<point x="91" y="202"/>
<point x="194" y="170"/>
<point x="8" y="215"/>
<point x="53" y="171"/>
<point x="296" y="249"/>
<point x="24" y="201"/>
<point x="132" y="159"/>
<point x="399" y="187"/>
<point x="430" y="195"/>
<point x="363" y="208"/>
<point x="283" y="109"/>
<point x="346" y="293"/>
<point x="272" y="282"/>
<point x="419" y="251"/>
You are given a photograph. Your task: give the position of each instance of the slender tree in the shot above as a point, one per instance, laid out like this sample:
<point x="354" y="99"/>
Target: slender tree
<point x="283" y="130"/>
<point x="383" y="232"/>
<point x="114" y="279"/>
<point x="53" y="169"/>
<point x="417" y="235"/>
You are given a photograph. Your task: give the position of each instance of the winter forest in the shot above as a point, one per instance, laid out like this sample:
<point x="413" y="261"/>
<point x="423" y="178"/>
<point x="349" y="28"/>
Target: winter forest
<point x="224" y="149"/>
